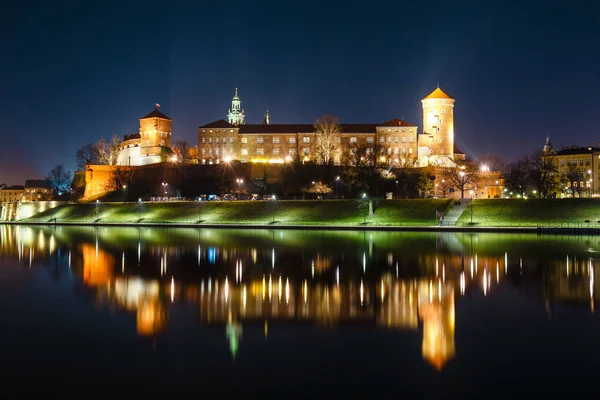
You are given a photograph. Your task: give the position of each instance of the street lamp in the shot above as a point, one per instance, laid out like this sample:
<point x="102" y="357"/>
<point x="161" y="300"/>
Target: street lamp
<point x="337" y="180"/>
<point x="164" y="185"/>
<point x="396" y="190"/>
<point x="139" y="209"/>
<point x="471" y="207"/>
<point x="97" y="210"/>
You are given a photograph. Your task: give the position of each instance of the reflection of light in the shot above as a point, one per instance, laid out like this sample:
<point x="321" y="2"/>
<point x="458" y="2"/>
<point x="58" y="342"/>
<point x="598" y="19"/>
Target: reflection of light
<point x="505" y="263"/>
<point x="567" y="265"/>
<point x="591" y="280"/>
<point x="362" y="292"/>
<point x="172" y="289"/>
<point x="312" y="269"/>
<point x="485" y="283"/>
<point x="212" y="255"/>
<point x="244" y="297"/>
<point x="287" y="291"/>
<point x="264" y="288"/>
<point x="471" y="268"/>
<point x="364" y="262"/>
<point x="497" y="272"/>
<point x="273" y="259"/>
<point x="337" y="275"/>
<point x="123" y="262"/>
<point x="199" y="252"/>
<point x="382" y="291"/>
<point x="270" y="288"/>
<point x="305" y="290"/>
<point x="226" y="290"/>
<point x="462" y="283"/>
<point x="279" y="288"/>
<point x="52" y="244"/>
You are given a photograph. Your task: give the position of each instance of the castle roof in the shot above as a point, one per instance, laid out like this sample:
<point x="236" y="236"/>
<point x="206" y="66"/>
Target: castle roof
<point x="38" y="183"/>
<point x="396" y="122"/>
<point x="300" y="128"/>
<point x="156" y="114"/>
<point x="221" y="123"/>
<point x="438" y="94"/>
<point x="577" y="150"/>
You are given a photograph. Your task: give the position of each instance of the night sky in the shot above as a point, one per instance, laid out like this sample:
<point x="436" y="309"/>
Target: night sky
<point x="75" y="71"/>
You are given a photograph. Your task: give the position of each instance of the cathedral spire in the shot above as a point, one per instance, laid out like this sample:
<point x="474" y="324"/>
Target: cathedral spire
<point x="266" y="119"/>
<point x="235" y="115"/>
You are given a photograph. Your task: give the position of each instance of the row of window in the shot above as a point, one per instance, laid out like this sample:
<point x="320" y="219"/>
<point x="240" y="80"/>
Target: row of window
<point x="306" y="139"/>
<point x="574" y="162"/>
<point x="305" y="150"/>
<point x="218" y="130"/>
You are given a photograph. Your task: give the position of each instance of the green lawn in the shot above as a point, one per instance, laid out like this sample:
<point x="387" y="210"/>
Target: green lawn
<point x="300" y="212"/>
<point x="533" y="212"/>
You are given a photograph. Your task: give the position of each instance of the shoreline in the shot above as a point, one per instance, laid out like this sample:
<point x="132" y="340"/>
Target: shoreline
<point x="358" y="227"/>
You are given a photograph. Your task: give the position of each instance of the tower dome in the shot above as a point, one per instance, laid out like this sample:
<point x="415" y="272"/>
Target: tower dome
<point x="438" y="126"/>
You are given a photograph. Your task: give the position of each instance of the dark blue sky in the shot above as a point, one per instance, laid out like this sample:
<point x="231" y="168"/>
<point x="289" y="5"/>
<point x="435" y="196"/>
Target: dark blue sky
<point x="75" y="71"/>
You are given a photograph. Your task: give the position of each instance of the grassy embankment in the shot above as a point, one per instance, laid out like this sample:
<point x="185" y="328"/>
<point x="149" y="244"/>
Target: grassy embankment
<point x="533" y="212"/>
<point x="300" y="212"/>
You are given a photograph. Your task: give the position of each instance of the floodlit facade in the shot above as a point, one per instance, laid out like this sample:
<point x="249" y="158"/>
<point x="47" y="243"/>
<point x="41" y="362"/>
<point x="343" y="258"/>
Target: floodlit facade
<point x="150" y="145"/>
<point x="403" y="145"/>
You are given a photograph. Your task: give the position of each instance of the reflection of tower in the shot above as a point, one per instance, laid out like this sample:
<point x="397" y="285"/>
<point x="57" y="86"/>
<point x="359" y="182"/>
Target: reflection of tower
<point x="151" y="317"/>
<point x="235" y="115"/>
<point x="438" y="126"/>
<point x="233" y="330"/>
<point x="436" y="308"/>
<point x="98" y="266"/>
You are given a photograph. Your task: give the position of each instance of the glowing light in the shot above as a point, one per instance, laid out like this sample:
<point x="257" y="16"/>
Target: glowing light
<point x="364" y="262"/>
<point x="305" y="291"/>
<point x="382" y="291"/>
<point x="287" y="291"/>
<point x="337" y="275"/>
<point x="226" y="290"/>
<point x="273" y="258"/>
<point x="462" y="283"/>
<point x="362" y="293"/>
<point x="270" y="288"/>
<point x="172" y="289"/>
<point x="244" y="298"/>
<point x="264" y="288"/>
<point x="279" y="288"/>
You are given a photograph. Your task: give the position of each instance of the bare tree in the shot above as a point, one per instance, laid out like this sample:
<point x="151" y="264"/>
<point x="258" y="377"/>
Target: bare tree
<point x="444" y="187"/>
<point x="425" y="185"/>
<point x="120" y="176"/>
<point x="574" y="177"/>
<point x="516" y="178"/>
<point x="60" y="179"/>
<point x="327" y="139"/>
<point x="88" y="154"/>
<point x="542" y="173"/>
<point x="181" y="150"/>
<point x="461" y="176"/>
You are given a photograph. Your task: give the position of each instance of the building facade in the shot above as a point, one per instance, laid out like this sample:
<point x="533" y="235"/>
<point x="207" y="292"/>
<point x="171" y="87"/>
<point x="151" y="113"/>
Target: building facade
<point x="37" y="190"/>
<point x="577" y="169"/>
<point x="12" y="193"/>
<point x="150" y="145"/>
<point x="399" y="142"/>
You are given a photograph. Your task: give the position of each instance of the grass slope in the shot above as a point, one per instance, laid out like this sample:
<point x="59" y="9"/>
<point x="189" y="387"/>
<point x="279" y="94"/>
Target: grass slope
<point x="325" y="212"/>
<point x="533" y="212"/>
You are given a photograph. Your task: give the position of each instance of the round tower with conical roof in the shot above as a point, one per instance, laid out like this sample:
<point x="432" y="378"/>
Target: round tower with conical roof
<point x="438" y="125"/>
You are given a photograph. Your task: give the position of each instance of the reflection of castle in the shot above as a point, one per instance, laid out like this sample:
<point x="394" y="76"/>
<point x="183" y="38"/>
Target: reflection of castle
<point x="288" y="296"/>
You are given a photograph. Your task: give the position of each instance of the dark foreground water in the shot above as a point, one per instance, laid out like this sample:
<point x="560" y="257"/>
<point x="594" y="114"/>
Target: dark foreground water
<point x="126" y="311"/>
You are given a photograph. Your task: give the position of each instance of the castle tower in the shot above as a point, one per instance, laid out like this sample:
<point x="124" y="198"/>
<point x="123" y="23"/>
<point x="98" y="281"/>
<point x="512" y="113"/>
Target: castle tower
<point x="235" y="115"/>
<point x="155" y="135"/>
<point x="438" y="127"/>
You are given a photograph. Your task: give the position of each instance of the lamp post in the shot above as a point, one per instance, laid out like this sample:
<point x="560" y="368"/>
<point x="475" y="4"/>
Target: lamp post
<point x="239" y="182"/>
<point x="396" y="190"/>
<point x="97" y="210"/>
<point x="337" y="180"/>
<point x="485" y="169"/>
<point x="124" y="192"/>
<point x="462" y="184"/>
<point x="139" y="207"/>
<point x="164" y="185"/>
<point x="471" y="207"/>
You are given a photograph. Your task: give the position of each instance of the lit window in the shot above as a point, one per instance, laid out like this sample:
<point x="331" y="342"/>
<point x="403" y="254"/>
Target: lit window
<point x="404" y="150"/>
<point x="203" y="151"/>
<point x="369" y="139"/>
<point x="305" y="139"/>
<point x="260" y="152"/>
<point x="224" y="140"/>
<point x="382" y="139"/>
<point x="292" y="152"/>
<point x="389" y="139"/>
<point x="244" y="152"/>
<point x="217" y="151"/>
<point x="276" y="140"/>
<point x="217" y="140"/>
<point x="209" y="140"/>
<point x="395" y="139"/>
<point x="203" y="140"/>
<point x="403" y="139"/>
<point x="203" y="130"/>
<point x="231" y="131"/>
<point x="275" y="151"/>
<point x="259" y="140"/>
<point x="353" y="139"/>
<point x="410" y="150"/>
<point x="306" y="151"/>
<point x="244" y="140"/>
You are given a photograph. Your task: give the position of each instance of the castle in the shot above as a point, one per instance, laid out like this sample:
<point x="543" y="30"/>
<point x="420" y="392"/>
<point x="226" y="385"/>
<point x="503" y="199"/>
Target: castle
<point x="403" y="145"/>
<point x="150" y="145"/>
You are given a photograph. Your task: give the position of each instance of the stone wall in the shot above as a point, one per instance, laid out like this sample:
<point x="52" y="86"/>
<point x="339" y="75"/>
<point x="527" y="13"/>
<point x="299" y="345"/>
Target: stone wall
<point x="18" y="211"/>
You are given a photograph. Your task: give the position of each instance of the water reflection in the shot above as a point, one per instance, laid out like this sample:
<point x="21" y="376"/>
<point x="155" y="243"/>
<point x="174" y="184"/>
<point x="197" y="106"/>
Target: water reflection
<point x="240" y="278"/>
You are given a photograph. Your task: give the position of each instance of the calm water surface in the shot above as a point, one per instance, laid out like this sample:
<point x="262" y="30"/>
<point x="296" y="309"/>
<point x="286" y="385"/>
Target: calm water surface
<point x="210" y="312"/>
